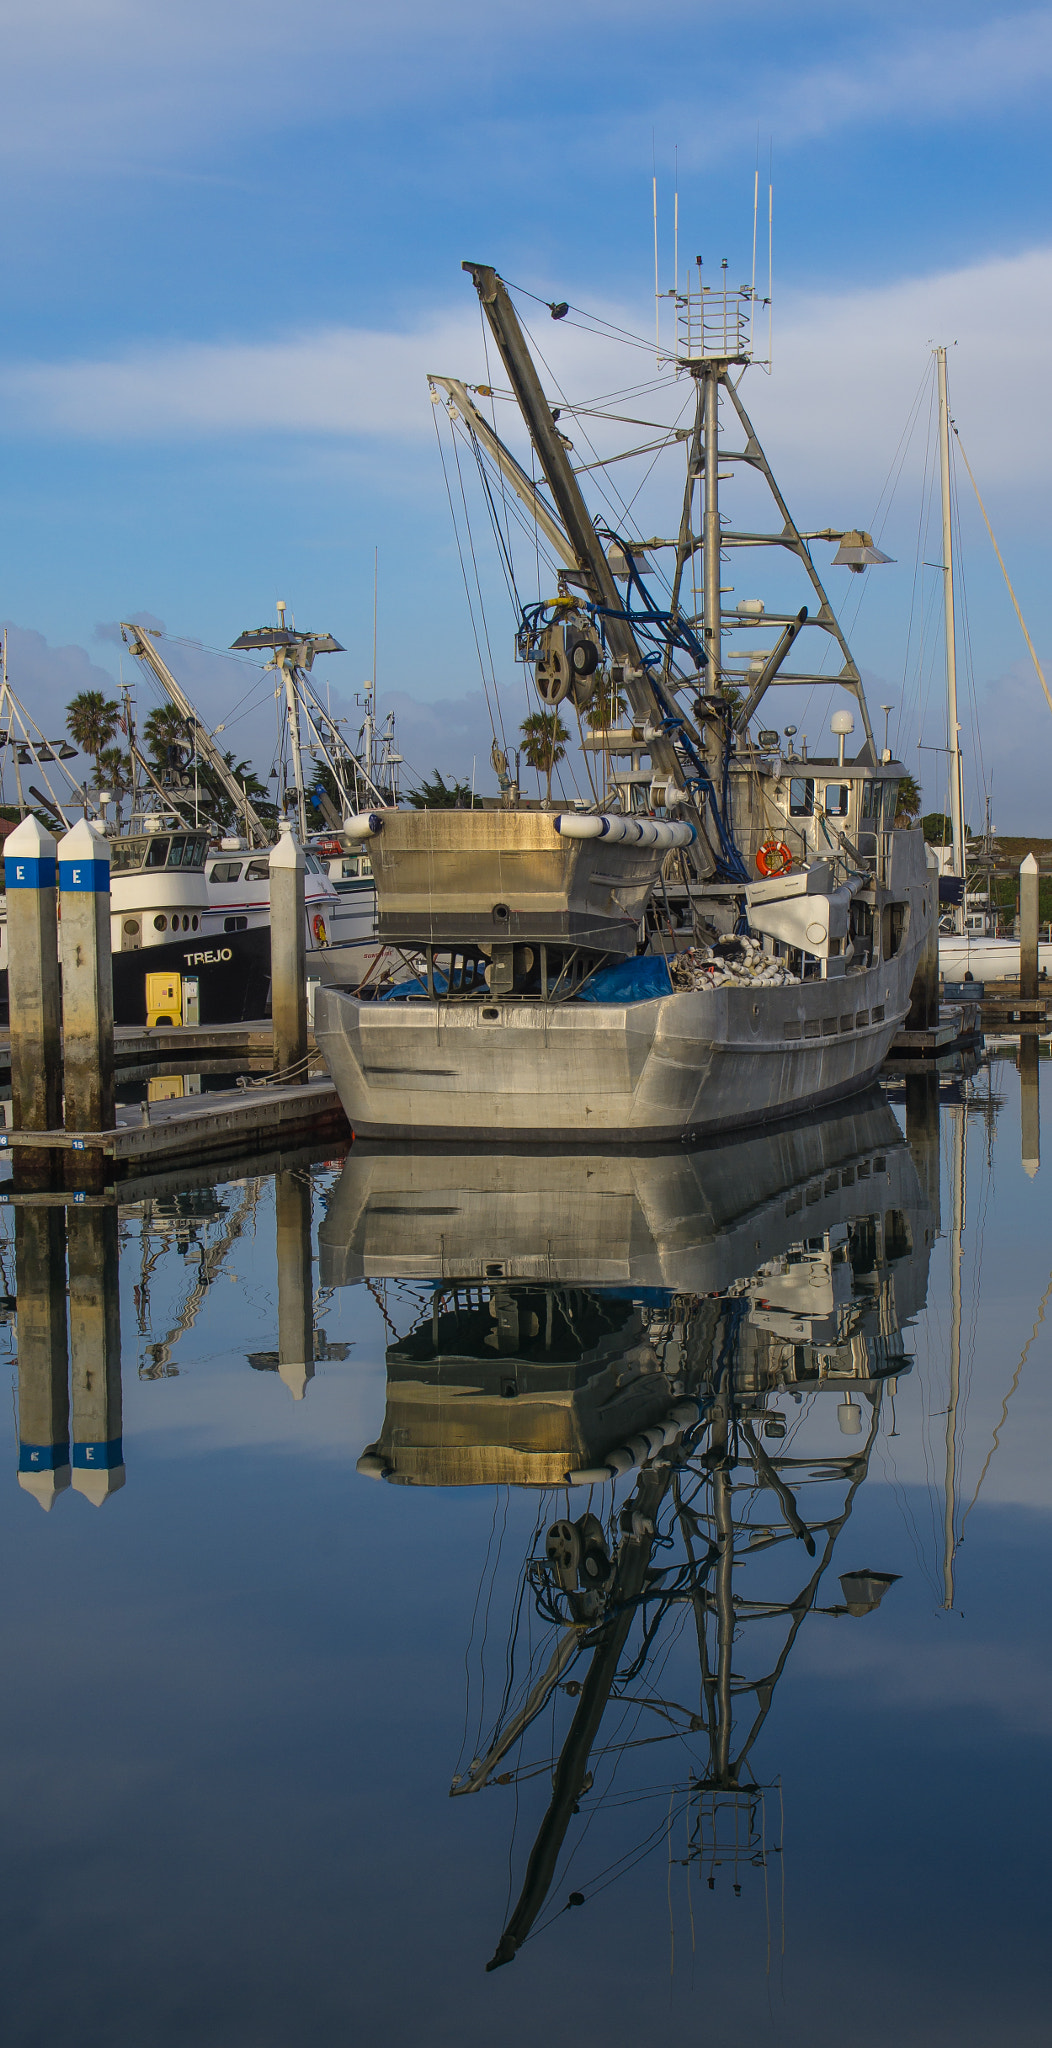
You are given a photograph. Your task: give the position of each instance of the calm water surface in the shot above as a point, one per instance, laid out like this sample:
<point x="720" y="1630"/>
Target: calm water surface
<point x="753" y="1737"/>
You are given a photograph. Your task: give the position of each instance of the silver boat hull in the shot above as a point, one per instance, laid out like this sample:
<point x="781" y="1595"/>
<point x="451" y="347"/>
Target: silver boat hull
<point x="610" y="1073"/>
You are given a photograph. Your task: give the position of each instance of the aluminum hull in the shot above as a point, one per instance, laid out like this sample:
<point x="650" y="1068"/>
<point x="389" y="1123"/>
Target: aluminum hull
<point x="610" y="1073"/>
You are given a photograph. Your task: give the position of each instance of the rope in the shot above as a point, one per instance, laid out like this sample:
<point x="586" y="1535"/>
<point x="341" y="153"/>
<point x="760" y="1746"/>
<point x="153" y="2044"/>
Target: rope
<point x="467" y="586"/>
<point x="1004" y="572"/>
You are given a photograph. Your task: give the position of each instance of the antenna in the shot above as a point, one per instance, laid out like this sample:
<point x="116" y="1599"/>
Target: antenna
<point x="752" y="287"/>
<point x="376" y="583"/>
<point x="675" y="228"/>
<point x="657" y="294"/>
<point x="770" y="267"/>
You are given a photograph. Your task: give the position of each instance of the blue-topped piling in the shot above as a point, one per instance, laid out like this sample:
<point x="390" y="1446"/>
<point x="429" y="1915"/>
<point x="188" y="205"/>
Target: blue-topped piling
<point x="33" y="980"/>
<point x="87" y="978"/>
<point x="95" y="1352"/>
<point x="43" y="1359"/>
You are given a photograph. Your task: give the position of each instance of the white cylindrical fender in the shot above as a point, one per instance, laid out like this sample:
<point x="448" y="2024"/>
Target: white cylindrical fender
<point x="365" y="826"/>
<point x="591" y="1475"/>
<point x="620" y="830"/>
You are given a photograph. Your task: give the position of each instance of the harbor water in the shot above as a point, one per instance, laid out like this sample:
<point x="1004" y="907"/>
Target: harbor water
<point x="335" y="1710"/>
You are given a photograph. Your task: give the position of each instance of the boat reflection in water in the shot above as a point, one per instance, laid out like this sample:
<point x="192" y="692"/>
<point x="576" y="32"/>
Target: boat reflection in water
<point x="694" y="1348"/>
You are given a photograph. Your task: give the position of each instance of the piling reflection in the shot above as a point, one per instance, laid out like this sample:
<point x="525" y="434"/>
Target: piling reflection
<point x="67" y="1280"/>
<point x="691" y="1352"/>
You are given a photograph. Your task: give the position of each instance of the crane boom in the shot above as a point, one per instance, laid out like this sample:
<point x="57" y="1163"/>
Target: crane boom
<point x="141" y="645"/>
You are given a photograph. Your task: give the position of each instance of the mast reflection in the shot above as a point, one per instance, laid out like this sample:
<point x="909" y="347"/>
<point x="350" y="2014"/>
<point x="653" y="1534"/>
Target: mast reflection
<point x="696" y="1347"/>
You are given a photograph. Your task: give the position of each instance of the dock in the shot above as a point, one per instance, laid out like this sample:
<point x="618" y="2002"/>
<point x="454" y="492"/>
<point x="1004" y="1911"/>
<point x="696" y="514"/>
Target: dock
<point x="196" y="1127"/>
<point x="181" y="1045"/>
<point x="959" y="1025"/>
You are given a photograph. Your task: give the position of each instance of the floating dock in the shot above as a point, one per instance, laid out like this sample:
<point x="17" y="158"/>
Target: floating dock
<point x="195" y="1127"/>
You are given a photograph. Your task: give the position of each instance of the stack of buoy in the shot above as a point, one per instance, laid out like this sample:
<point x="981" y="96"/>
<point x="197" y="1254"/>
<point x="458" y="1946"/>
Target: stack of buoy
<point x="731" y="963"/>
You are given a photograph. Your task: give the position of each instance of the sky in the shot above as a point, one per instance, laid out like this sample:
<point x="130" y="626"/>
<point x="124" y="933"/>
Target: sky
<point x="232" y="238"/>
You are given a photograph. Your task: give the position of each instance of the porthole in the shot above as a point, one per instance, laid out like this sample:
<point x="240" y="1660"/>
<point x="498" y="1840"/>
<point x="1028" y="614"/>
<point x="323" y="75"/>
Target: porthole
<point x="193" y="924"/>
<point x="131" y="926"/>
<point x="160" y="924"/>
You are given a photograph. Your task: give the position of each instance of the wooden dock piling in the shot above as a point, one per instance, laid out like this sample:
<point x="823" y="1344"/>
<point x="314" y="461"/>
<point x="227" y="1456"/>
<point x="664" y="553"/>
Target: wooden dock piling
<point x="292" y="1213"/>
<point x="43" y="1359"/>
<point x="1029" y="899"/>
<point x="288" y="955"/>
<point x="87" y="978"/>
<point x="33" y="988"/>
<point x="95" y="1352"/>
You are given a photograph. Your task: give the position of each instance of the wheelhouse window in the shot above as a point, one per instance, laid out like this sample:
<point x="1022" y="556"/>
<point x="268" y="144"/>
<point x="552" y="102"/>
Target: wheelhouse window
<point x="891" y="804"/>
<point x="871" y="796"/>
<point x="127" y="853"/>
<point x="801" y="797"/>
<point x="158" y="854"/>
<point x="837" y="796"/>
<point x="226" y="871"/>
<point x="257" y="871"/>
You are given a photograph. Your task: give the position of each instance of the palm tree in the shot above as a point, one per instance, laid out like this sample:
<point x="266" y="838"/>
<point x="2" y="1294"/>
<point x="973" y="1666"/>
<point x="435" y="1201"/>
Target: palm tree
<point x="91" y="721"/>
<point x="165" y="728"/>
<point x="908" y="807"/>
<point x="544" y="738"/>
<point x="436" y="794"/>
<point x="116" y="774"/>
<point x="607" y="706"/>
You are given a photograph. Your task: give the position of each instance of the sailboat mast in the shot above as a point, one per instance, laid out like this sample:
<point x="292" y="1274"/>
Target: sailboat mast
<point x="960" y="1141"/>
<point x="954" y="730"/>
<point x="14" y="750"/>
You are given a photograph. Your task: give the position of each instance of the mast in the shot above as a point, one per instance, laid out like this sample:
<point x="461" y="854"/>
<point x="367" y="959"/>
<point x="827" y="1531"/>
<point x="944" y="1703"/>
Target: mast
<point x="14" y="749"/>
<point x="711" y="541"/>
<point x="958" y="1185"/>
<point x="953" y="727"/>
<point x="293" y="712"/>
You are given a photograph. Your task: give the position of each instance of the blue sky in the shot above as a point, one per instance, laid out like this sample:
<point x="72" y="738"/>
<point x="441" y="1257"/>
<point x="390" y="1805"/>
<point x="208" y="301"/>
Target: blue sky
<point x="231" y="244"/>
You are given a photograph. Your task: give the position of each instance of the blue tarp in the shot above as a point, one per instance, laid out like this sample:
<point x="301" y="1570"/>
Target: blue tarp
<point x="629" y="981"/>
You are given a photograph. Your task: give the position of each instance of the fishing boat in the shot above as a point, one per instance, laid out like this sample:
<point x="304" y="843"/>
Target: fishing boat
<point x="727" y="928"/>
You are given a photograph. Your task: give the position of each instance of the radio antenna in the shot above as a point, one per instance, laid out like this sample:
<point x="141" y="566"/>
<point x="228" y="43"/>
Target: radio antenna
<point x="657" y="297"/>
<point x="752" y="287"/>
<point x="770" y="269"/>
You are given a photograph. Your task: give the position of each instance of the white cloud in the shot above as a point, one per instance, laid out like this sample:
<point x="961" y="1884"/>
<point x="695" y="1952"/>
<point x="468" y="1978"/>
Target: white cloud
<point x="930" y="75"/>
<point x="108" y="82"/>
<point x="846" y="367"/>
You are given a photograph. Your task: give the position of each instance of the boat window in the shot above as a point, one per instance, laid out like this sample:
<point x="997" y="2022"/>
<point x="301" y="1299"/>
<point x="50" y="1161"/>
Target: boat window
<point x="357" y="866"/>
<point x="891" y="804"/>
<point x="315" y="866"/>
<point x="127" y="853"/>
<point x="871" y="799"/>
<point x="801" y="796"/>
<point x="235" y="924"/>
<point x="226" y="871"/>
<point x="181" y="854"/>
<point x="158" y="853"/>
<point x="836" y="799"/>
<point x="257" y="871"/>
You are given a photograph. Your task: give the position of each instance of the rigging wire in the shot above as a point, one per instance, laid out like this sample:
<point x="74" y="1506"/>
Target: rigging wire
<point x="467" y="587"/>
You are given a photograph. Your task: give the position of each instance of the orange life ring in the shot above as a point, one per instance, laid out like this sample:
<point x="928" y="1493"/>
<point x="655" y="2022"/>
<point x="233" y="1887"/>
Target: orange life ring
<point x="774" y="858"/>
<point x="320" y="933"/>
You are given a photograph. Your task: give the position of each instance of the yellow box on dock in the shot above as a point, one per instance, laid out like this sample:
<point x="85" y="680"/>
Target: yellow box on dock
<point x="165" y="1088"/>
<point x="164" y="999"/>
